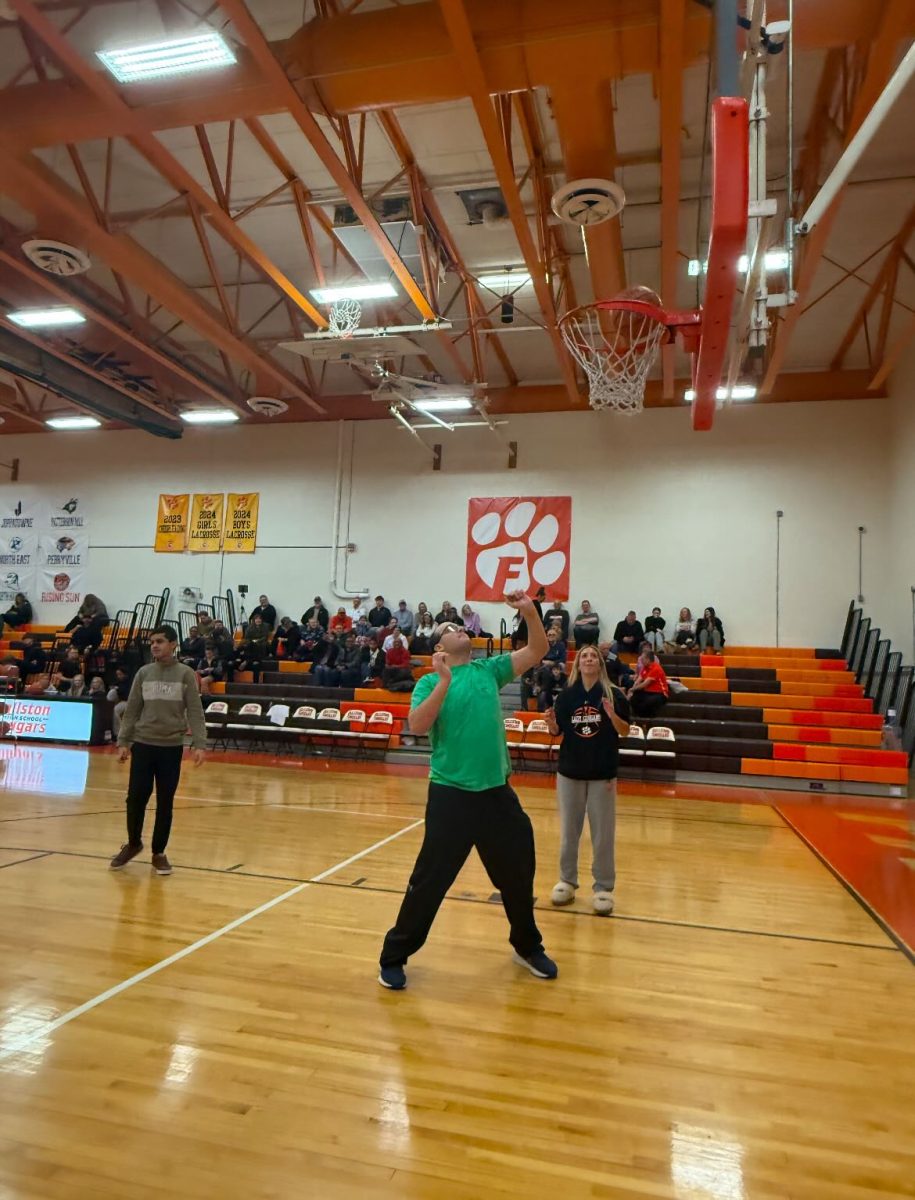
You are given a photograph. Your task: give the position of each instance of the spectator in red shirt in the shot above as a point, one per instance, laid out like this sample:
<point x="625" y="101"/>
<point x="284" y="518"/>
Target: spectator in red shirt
<point x="649" y="693"/>
<point x="340" y="622"/>
<point x="398" y="675"/>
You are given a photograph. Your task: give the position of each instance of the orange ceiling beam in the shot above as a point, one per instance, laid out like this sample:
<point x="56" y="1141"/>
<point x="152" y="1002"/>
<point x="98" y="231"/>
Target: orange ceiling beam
<point x="895" y="18"/>
<point x="401" y="56"/>
<point x="155" y="153"/>
<point x="673" y="25"/>
<point x="465" y="50"/>
<point x="273" y="72"/>
<point x="37" y="189"/>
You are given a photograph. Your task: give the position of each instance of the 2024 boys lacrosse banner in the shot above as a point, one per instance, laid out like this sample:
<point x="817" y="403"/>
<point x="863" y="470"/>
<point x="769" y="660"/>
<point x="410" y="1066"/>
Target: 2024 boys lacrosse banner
<point x="518" y="542"/>
<point x="44" y="548"/>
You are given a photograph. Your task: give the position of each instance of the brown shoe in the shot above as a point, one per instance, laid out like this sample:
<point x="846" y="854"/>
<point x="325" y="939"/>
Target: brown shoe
<point x="161" y="865"/>
<point x="124" y="855"/>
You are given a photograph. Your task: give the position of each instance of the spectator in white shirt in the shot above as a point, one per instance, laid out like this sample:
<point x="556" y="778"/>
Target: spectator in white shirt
<point x="357" y="612"/>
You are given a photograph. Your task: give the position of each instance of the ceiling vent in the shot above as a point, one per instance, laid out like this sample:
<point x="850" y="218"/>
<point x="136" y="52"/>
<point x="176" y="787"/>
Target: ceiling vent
<point x="57" y="258"/>
<point x="268" y="406"/>
<point x="588" y="201"/>
<point x="385" y="208"/>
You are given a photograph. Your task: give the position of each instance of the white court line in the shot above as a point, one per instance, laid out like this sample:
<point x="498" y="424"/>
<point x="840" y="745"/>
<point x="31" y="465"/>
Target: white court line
<point x="50" y="1027"/>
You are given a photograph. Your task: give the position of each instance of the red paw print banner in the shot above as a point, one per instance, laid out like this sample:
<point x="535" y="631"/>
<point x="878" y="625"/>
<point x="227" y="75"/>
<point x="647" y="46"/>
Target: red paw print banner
<point x="518" y="542"/>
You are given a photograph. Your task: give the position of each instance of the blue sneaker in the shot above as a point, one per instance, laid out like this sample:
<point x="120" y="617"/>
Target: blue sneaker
<point x="539" y="964"/>
<point x="394" y="978"/>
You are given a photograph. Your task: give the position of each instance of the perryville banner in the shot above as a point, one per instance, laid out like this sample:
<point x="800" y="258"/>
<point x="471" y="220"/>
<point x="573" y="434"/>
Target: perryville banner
<point x="205" y="535"/>
<point x="62" y="563"/>
<point x="171" y="523"/>
<point x="241" y="523"/>
<point x="518" y="542"/>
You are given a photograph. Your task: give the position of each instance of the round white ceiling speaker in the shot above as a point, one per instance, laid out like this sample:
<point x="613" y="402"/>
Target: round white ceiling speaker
<point x="57" y="258"/>
<point x="267" y="406"/>
<point x="588" y="201"/>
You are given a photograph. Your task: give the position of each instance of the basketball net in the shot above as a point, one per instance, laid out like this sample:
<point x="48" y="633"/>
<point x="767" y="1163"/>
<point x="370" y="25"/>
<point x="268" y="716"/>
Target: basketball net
<point x="344" y="318"/>
<point x="616" y="348"/>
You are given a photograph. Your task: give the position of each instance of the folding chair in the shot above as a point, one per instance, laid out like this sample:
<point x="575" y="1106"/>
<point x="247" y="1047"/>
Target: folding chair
<point x="216" y="716"/>
<point x="379" y="731"/>
<point x="633" y="752"/>
<point x="538" y="741"/>
<point x="661" y="743"/>
<point x="514" y="736"/>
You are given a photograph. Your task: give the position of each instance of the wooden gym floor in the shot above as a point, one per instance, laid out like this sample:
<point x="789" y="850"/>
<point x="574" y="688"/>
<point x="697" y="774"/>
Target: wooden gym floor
<point x="740" y="1030"/>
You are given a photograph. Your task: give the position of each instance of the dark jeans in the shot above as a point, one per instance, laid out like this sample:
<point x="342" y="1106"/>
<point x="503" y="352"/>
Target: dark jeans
<point x="159" y="765"/>
<point x="647" y="704"/>
<point x="586" y="635"/>
<point x="494" y="822"/>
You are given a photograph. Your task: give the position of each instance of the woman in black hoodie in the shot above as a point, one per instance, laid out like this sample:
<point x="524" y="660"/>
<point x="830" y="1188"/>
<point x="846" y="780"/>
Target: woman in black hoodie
<point x="710" y="631"/>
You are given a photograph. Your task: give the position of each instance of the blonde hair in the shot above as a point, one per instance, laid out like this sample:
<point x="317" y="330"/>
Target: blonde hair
<point x="575" y="673"/>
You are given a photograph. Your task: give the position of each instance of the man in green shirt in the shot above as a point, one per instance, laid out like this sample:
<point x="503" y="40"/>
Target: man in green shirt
<point x="470" y="802"/>
<point x="163" y="701"/>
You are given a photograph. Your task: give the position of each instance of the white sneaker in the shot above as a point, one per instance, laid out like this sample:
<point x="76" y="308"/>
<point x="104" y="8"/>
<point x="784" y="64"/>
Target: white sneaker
<point x="562" y="893"/>
<point x="603" y="903"/>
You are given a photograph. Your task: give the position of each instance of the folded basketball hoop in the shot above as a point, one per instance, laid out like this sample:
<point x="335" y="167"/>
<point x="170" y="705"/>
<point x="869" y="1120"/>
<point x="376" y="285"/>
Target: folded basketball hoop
<point x="617" y="342"/>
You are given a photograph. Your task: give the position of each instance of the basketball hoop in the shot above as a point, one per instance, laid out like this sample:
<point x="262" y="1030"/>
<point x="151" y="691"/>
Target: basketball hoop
<point x="344" y="318"/>
<point x="616" y="342"/>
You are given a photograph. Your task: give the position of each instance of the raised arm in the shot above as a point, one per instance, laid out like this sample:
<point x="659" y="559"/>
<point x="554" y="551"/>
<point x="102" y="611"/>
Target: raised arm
<point x="424" y="716"/>
<point x="537" y="645"/>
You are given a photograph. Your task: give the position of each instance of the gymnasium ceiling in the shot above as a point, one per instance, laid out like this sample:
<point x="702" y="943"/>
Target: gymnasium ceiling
<point x="211" y="206"/>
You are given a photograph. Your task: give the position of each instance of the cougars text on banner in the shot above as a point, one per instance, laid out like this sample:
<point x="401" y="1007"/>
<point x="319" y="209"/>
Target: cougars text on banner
<point x="518" y="542"/>
<point x="241" y="523"/>
<point x="205" y="535"/>
<point x="171" y="523"/>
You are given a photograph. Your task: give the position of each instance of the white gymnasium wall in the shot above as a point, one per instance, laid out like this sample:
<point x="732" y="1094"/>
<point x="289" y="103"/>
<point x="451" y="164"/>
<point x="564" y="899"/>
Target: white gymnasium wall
<point x="660" y="515"/>
<point x="894" y="614"/>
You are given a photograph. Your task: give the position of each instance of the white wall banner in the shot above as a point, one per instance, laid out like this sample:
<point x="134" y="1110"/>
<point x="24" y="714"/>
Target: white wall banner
<point x="13" y="580"/>
<point x="18" y="551"/>
<point x="64" y="587"/>
<point x="63" y="551"/>
<point x="22" y="513"/>
<point x="66" y="511"/>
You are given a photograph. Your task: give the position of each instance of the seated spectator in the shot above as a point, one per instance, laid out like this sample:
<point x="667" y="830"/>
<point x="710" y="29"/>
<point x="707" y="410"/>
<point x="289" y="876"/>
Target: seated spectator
<point x="191" y="649"/>
<point x="88" y="634"/>
<point x="557" y="653"/>
<point x="34" y="659"/>
<point x="685" y="630"/>
<point x="340" y="622"/>
<point x="374" y="663"/>
<point x="318" y="611"/>
<point x="557" y="613"/>
<point x="398" y="674"/>
<point x="77" y="686"/>
<point x="205" y="624"/>
<point x="71" y="665"/>
<point x="209" y="669"/>
<point x="620" y="673"/>
<point x="448" y="614"/>
<point x="118" y="694"/>
<point x="654" y="630"/>
<point x="96" y="688"/>
<point x="324" y="664"/>
<point x="424" y="639"/>
<point x="350" y="662"/>
<point x="421" y="610"/>
<point x="93" y="609"/>
<point x="254" y="649"/>
<point x="266" y="611"/>
<point x="586" y="627"/>
<point x="388" y="634"/>
<point x="471" y="621"/>
<point x="357" y="612"/>
<point x="649" y="693"/>
<point x="286" y="639"/>
<point x="222" y="639"/>
<point x="519" y="633"/>
<point x="710" y="631"/>
<point x="380" y="614"/>
<point x="628" y="635"/>
<point x="404" y="618"/>
<point x="553" y="681"/>
<point x="19" y="613"/>
<point x="362" y="628"/>
<point x="312" y="636"/>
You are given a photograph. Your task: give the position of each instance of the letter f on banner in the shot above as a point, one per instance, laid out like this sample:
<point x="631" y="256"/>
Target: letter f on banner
<point x="510" y="574"/>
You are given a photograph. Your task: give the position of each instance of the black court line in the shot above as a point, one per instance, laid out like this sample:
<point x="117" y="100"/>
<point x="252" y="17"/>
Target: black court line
<point x="902" y="945"/>
<point x="471" y="899"/>
<point x="235" y="868"/>
<point x="31" y="858"/>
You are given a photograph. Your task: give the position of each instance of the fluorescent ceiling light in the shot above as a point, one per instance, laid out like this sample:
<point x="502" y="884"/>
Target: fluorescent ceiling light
<point x="179" y="56"/>
<point x="505" y="279"/>
<point x="73" y="422"/>
<point x="741" y="391"/>
<point x="776" y="260"/>
<point x="359" y="291"/>
<point x="446" y="404"/>
<point x="209" y="416"/>
<point x="38" y="318"/>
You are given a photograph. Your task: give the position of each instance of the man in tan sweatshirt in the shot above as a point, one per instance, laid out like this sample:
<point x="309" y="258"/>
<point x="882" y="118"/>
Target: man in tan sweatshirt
<point x="164" y="700"/>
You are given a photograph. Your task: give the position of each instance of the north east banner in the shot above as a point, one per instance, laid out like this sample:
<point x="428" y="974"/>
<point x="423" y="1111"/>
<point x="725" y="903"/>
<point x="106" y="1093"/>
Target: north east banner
<point x="241" y="523"/>
<point x="205" y="535"/>
<point x="171" y="523"/>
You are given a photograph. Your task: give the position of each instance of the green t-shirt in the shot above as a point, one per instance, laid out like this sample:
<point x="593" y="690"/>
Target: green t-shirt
<point x="468" y="738"/>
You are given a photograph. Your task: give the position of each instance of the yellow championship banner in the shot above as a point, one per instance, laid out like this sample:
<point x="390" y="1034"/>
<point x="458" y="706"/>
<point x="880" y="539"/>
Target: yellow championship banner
<point x="205" y="535"/>
<point x="241" y="523"/>
<point x="171" y="524"/>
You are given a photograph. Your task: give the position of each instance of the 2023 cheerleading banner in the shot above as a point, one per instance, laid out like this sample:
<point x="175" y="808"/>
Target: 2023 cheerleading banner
<point x="205" y="523"/>
<point x="171" y="523"/>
